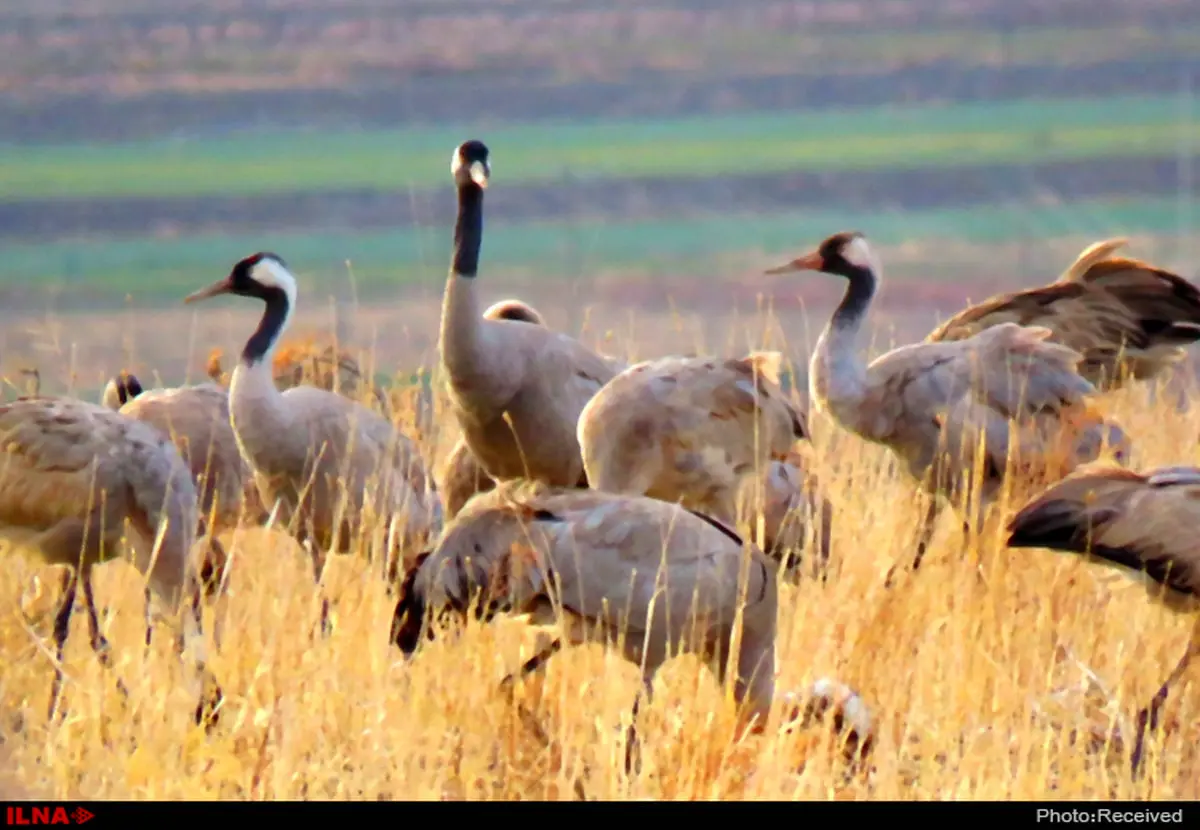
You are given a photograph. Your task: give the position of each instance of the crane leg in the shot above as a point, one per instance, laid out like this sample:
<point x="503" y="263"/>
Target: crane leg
<point x="99" y="643"/>
<point x="393" y="558"/>
<point x="1147" y="718"/>
<point x="207" y="709"/>
<point x="62" y="627"/>
<point x="325" y="624"/>
<point x="928" y="524"/>
<point x="924" y="537"/>
<point x="149" y="618"/>
<point x="212" y="568"/>
<point x="207" y="712"/>
<point x="531" y="665"/>
<point x="318" y="566"/>
<point x="632" y="747"/>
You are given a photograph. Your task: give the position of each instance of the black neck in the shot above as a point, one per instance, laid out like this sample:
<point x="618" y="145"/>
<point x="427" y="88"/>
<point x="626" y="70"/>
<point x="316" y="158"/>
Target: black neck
<point x="858" y="297"/>
<point x="468" y="230"/>
<point x="269" y="327"/>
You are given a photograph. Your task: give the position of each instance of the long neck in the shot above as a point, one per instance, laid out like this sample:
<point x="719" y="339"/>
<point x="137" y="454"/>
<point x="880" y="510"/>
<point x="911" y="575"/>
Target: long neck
<point x="852" y="310"/>
<point x="468" y="231"/>
<point x="837" y="376"/>
<point x="460" y="344"/>
<point x="261" y="346"/>
<point x="256" y="405"/>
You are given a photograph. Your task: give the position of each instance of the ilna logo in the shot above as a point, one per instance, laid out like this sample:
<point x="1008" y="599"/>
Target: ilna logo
<point x="28" y="815"/>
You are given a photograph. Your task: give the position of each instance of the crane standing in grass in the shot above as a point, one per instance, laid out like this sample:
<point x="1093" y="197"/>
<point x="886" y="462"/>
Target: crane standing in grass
<point x="74" y="476"/>
<point x="1143" y="523"/>
<point x="329" y="463"/>
<point x="918" y="398"/>
<point x="602" y="567"/>
<point x="516" y="390"/>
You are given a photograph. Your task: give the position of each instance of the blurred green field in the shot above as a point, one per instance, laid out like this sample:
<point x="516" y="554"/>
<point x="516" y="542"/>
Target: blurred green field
<point x="165" y="269"/>
<point x="894" y="137"/>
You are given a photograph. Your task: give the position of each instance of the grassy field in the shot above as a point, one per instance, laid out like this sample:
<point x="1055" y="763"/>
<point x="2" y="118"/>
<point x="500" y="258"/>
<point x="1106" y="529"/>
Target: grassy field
<point x="890" y="137"/>
<point x="154" y="270"/>
<point x="991" y="674"/>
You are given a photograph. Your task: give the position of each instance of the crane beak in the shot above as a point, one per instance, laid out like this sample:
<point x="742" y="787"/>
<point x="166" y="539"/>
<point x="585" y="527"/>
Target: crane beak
<point x="223" y="286"/>
<point x="479" y="174"/>
<point x="809" y="262"/>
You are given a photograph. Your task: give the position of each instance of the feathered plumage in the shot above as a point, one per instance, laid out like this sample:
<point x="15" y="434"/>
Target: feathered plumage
<point x="927" y="401"/>
<point x="689" y="429"/>
<point x="1126" y="318"/>
<point x="328" y="466"/>
<point x="462" y="476"/>
<point x="528" y="548"/>
<point x="76" y="481"/>
<point x="196" y="419"/>
<point x="516" y="390"/>
<point x="793" y="511"/>
<point x="1141" y="523"/>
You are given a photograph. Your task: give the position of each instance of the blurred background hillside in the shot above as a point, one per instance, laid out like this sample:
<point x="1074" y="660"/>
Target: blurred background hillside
<point x="649" y="157"/>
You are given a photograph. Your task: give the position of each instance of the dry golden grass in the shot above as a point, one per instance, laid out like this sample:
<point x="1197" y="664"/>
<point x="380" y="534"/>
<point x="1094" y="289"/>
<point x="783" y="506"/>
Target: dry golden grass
<point x="976" y="670"/>
<point x="314" y="360"/>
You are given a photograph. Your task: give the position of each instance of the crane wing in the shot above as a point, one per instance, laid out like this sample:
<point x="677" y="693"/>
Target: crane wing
<point x="628" y="562"/>
<point x="1015" y="370"/>
<point x="1112" y="310"/>
<point x="1139" y="522"/>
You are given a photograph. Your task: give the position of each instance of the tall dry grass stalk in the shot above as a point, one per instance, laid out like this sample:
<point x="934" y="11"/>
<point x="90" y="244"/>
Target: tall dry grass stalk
<point x="993" y="674"/>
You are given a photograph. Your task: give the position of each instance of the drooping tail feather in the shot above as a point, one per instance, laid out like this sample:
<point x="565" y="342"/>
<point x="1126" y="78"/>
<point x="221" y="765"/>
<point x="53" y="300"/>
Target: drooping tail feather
<point x="1102" y="512"/>
<point x="1155" y="310"/>
<point x="1055" y="523"/>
